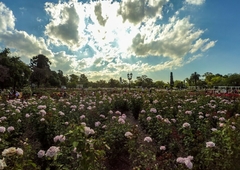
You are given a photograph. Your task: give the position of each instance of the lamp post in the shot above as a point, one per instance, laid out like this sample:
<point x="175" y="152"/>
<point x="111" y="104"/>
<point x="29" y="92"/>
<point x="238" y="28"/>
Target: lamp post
<point x="129" y="76"/>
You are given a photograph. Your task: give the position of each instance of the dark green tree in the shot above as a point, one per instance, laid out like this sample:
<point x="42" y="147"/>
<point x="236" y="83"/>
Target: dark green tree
<point x="14" y="72"/>
<point x="63" y="79"/>
<point x="159" y="84"/>
<point x="40" y="66"/>
<point x="233" y="80"/>
<point x="171" y="80"/>
<point x="54" y="80"/>
<point x="144" y="81"/>
<point x="195" y="77"/>
<point x="113" y="83"/>
<point x="83" y="80"/>
<point x="73" y="81"/>
<point x="101" y="83"/>
<point x="4" y="74"/>
<point x="178" y="84"/>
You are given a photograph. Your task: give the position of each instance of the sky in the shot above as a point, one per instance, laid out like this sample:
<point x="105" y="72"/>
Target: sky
<point x="110" y="38"/>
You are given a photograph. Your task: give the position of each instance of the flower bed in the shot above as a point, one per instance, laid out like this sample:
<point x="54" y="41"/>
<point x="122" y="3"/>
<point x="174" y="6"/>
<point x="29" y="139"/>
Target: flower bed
<point x="91" y="130"/>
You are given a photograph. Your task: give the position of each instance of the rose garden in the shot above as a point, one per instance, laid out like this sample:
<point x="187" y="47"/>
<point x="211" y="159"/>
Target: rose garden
<point x="116" y="129"/>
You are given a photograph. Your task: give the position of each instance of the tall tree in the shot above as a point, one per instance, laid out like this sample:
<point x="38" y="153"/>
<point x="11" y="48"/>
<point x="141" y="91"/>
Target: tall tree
<point x="73" y="81"/>
<point x="159" y="84"/>
<point x="54" y="80"/>
<point x="4" y="74"/>
<point x="171" y="80"/>
<point x="14" y="72"/>
<point x="234" y="80"/>
<point x="40" y="61"/>
<point x="63" y="79"/>
<point x="208" y="78"/>
<point x="40" y="66"/>
<point x="83" y="80"/>
<point x="113" y="83"/>
<point x="101" y="83"/>
<point x="178" y="84"/>
<point x="194" y="78"/>
<point x="144" y="81"/>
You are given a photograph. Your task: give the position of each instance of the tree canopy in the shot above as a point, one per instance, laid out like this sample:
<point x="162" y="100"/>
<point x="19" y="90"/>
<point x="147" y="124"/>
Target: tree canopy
<point x="16" y="74"/>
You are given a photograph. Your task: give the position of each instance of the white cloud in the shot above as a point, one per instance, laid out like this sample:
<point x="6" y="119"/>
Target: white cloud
<point x="136" y="11"/>
<point x="173" y="40"/>
<point x="64" y="62"/>
<point x="64" y="27"/>
<point x="7" y="18"/>
<point x="208" y="45"/>
<point x="39" y="19"/>
<point x="195" y="2"/>
<point x="98" y="13"/>
<point x="26" y="45"/>
<point x="106" y="34"/>
<point x="191" y="59"/>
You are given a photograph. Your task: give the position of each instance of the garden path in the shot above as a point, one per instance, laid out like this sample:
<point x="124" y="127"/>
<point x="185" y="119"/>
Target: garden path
<point x="124" y="163"/>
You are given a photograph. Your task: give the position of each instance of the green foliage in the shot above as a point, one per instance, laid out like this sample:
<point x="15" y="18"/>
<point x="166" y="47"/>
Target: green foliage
<point x="94" y="130"/>
<point x="121" y="104"/>
<point x="136" y="105"/>
<point x="14" y="72"/>
<point x="27" y="91"/>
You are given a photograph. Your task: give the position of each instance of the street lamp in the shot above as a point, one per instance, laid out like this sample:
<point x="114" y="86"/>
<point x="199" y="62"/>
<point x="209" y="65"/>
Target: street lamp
<point x="129" y="76"/>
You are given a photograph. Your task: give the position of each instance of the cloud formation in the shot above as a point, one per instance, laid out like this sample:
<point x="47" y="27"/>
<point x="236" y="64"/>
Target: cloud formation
<point x="7" y="18"/>
<point x="172" y="40"/>
<point x="24" y="44"/>
<point x="102" y="42"/>
<point x="195" y="2"/>
<point x="98" y="13"/>
<point x="137" y="11"/>
<point x="63" y="28"/>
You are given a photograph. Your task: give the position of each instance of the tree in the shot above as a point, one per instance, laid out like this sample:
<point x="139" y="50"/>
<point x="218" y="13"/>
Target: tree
<point x="54" y="79"/>
<point x="73" y="81"/>
<point x="159" y="84"/>
<point x="4" y="68"/>
<point x="217" y="80"/>
<point x="144" y="81"/>
<point x="195" y="78"/>
<point x="63" y="79"/>
<point x="14" y="72"/>
<point x="208" y="78"/>
<point x="83" y="80"/>
<point x="74" y="78"/>
<point x="178" y="84"/>
<point x="233" y="80"/>
<point x="40" y="66"/>
<point x="171" y="80"/>
<point x="113" y="83"/>
<point x="4" y="73"/>
<point x="40" y="61"/>
<point x="101" y="83"/>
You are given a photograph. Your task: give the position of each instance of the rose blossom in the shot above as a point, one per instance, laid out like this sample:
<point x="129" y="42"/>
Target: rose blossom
<point x="186" y="125"/>
<point x="147" y="139"/>
<point x="41" y="153"/>
<point x="2" y="129"/>
<point x="128" y="135"/>
<point x="10" y="129"/>
<point x="19" y="151"/>
<point x="52" y="151"/>
<point x="210" y="144"/>
<point x="162" y="148"/>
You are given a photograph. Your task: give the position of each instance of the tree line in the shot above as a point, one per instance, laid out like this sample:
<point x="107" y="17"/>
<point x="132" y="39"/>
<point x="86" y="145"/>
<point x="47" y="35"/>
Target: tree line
<point x="14" y="73"/>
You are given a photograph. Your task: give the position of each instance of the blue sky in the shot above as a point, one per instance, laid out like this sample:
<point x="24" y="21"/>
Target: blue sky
<point x="107" y="39"/>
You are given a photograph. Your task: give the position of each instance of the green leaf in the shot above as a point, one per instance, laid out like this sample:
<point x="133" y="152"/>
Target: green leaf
<point x="75" y="144"/>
